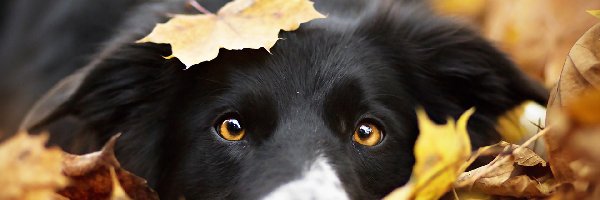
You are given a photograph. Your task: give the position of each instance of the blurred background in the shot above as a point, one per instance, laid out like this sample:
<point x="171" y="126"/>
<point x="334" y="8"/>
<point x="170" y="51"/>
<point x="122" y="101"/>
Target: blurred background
<point x="536" y="34"/>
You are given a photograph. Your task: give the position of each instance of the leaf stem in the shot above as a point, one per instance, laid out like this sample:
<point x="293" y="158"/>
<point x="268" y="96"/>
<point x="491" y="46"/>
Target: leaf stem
<point x="199" y="7"/>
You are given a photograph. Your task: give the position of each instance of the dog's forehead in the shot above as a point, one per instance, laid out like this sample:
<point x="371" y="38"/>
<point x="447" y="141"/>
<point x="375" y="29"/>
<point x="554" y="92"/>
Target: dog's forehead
<point x="311" y="69"/>
<point x="312" y="62"/>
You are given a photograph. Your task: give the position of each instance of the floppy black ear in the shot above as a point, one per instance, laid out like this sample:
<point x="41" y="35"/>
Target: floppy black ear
<point x="118" y="92"/>
<point x="448" y="66"/>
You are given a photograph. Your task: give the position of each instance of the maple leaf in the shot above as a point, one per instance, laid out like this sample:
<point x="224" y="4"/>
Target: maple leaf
<point x="440" y="152"/>
<point x="239" y="24"/>
<point x="28" y="169"/>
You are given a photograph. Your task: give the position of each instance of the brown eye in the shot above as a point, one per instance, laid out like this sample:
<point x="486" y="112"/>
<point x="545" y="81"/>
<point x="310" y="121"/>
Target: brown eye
<point x="231" y="129"/>
<point x="367" y="134"/>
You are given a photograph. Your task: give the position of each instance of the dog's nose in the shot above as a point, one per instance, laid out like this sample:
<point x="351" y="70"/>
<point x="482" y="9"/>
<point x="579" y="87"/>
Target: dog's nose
<point x="318" y="182"/>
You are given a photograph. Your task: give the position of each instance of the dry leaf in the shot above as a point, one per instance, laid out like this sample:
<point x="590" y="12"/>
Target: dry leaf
<point x="581" y="71"/>
<point x="239" y="24"/>
<point x="440" y="152"/>
<point x="574" y="109"/>
<point x="117" y="191"/>
<point x="91" y="178"/>
<point x="29" y="170"/>
<point x="506" y="175"/>
<point x="580" y="75"/>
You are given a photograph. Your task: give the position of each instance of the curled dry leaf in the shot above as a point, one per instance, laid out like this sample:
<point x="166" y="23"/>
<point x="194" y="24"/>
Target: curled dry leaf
<point x="28" y="169"/>
<point x="507" y="175"/>
<point x="440" y="152"/>
<point x="580" y="75"/>
<point x="239" y="24"/>
<point x="91" y="178"/>
<point x="574" y="109"/>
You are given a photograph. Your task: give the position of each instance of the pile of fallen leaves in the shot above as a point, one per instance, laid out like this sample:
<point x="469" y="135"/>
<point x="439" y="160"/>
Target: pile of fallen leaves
<point x="571" y="169"/>
<point x="566" y="168"/>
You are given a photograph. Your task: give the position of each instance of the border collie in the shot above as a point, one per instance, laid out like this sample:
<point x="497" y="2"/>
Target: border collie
<point x="329" y="114"/>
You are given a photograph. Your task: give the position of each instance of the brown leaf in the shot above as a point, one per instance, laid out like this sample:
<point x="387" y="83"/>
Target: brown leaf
<point x="507" y="175"/>
<point x="91" y="176"/>
<point x="581" y="70"/>
<point x="574" y="109"/>
<point x="580" y="75"/>
<point x="239" y="24"/>
<point x="117" y="191"/>
<point x="28" y="169"/>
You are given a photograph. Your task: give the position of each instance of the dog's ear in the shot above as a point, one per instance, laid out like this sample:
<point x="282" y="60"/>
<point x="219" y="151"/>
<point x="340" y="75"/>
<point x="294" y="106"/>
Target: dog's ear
<point x="451" y="58"/>
<point x="448" y="66"/>
<point x="119" y="89"/>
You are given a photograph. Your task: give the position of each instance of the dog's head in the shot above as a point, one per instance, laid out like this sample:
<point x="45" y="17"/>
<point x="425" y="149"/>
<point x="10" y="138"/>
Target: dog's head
<point x="329" y="112"/>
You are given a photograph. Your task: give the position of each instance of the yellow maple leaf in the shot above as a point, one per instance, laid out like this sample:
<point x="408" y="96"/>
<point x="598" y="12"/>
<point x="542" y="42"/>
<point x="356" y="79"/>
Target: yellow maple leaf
<point x="595" y="13"/>
<point x="440" y="152"/>
<point x="239" y="24"/>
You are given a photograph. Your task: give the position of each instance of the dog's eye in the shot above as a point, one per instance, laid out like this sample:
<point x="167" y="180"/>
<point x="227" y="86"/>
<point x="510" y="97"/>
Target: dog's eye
<point x="231" y="129"/>
<point x="367" y="134"/>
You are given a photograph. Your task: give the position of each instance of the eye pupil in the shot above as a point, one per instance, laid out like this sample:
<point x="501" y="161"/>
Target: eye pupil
<point x="233" y="126"/>
<point x="364" y="131"/>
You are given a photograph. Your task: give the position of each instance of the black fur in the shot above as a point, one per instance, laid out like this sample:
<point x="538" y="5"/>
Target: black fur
<point x="369" y="59"/>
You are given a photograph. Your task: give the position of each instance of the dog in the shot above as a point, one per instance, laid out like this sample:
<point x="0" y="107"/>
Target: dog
<point x="329" y="113"/>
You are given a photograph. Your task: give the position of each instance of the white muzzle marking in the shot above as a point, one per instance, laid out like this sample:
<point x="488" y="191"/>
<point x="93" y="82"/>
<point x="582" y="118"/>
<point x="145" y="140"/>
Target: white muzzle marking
<point x="319" y="182"/>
